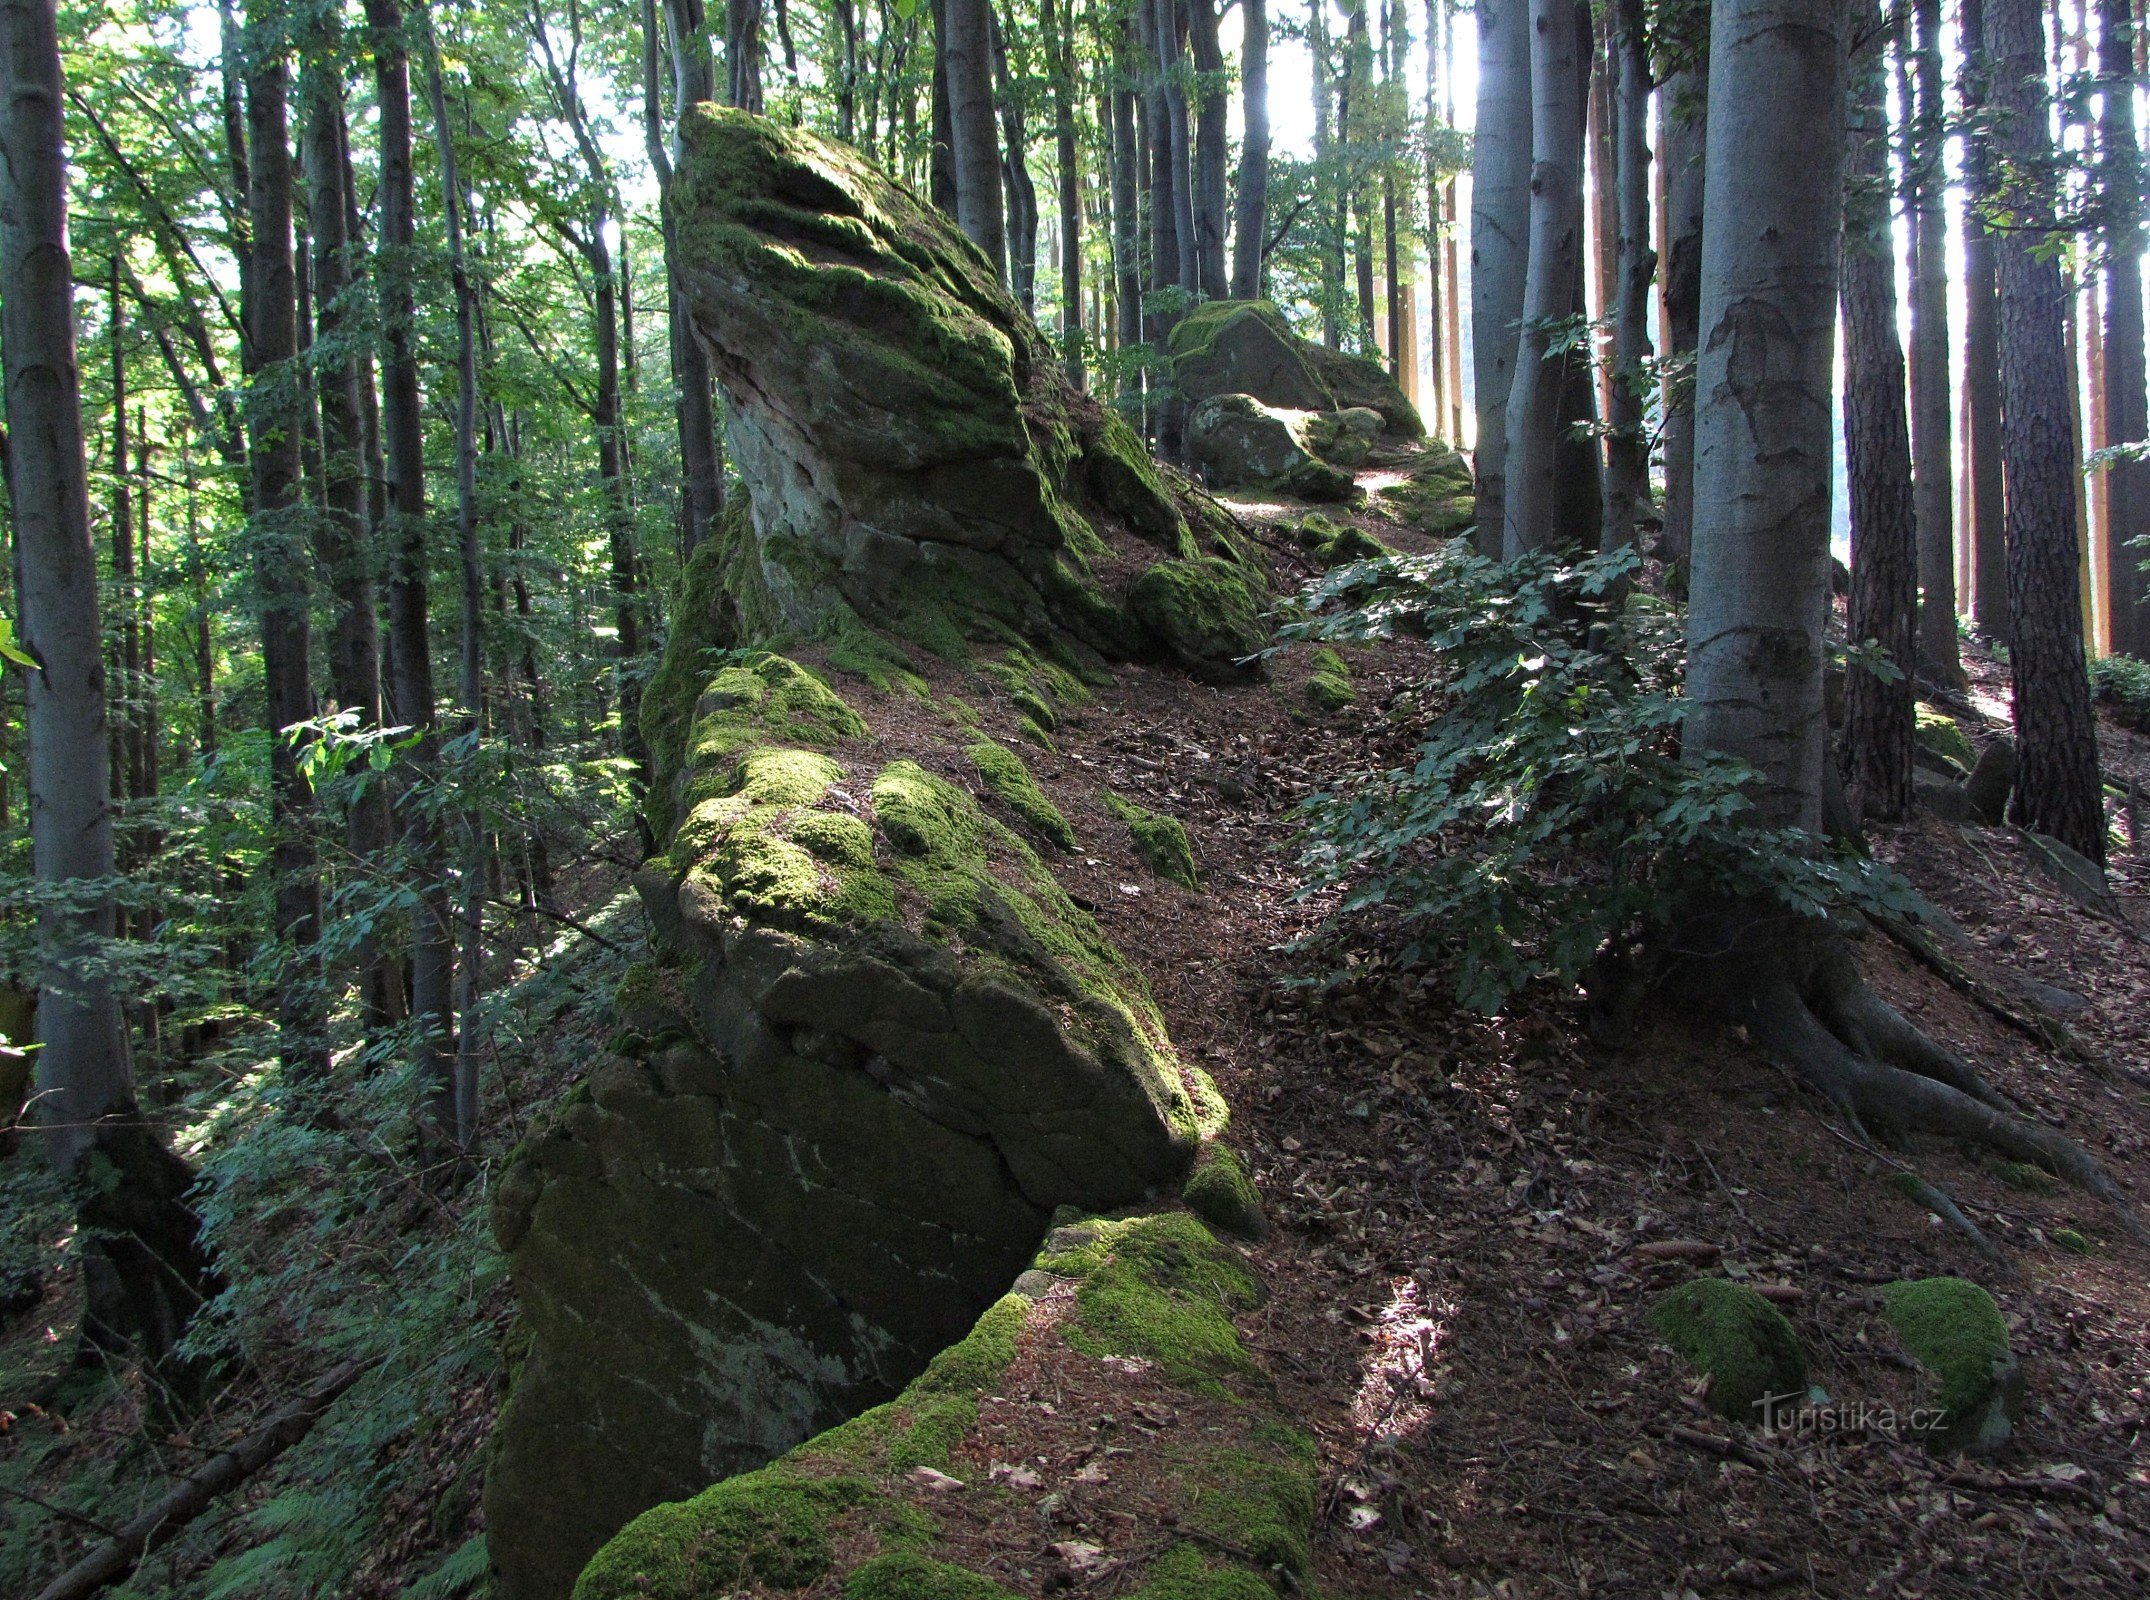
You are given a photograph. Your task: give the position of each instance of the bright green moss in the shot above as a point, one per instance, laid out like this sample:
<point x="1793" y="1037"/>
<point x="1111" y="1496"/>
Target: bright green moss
<point x="906" y="1575"/>
<point x="1738" y="1338"/>
<point x="767" y="699"/>
<point x="1952" y="1327"/>
<point x="1939" y="734"/>
<point x="1221" y="1191"/>
<point x="1007" y="776"/>
<point x="1164" y="1288"/>
<point x="1255" y="1504"/>
<point x="769" y="1527"/>
<point x="1328" y="685"/>
<point x="833" y="837"/>
<point x="862" y="653"/>
<point x="1332" y="543"/>
<point x="2072" y="1240"/>
<point x="1185" y="1572"/>
<point x="1161" y="841"/>
<point x="1207" y="613"/>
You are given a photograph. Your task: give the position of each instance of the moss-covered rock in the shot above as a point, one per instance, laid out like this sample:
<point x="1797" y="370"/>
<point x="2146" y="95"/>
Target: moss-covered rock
<point x="1328" y="681"/>
<point x="1742" y="1342"/>
<point x="1161" y="1288"/>
<point x="906" y="1575"/>
<point x="1206" y="614"/>
<point x="1437" y="495"/>
<point x="1938" y="734"/>
<point x="1248" y="347"/>
<point x="1953" y="1329"/>
<point x="1333" y="543"/>
<point x="1161" y="841"/>
<point x="1240" y="443"/>
<point x="1009" y="778"/>
<point x="1221" y="1191"/>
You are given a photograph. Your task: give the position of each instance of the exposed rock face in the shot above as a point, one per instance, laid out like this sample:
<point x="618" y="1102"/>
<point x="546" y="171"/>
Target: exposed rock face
<point x="1246" y="347"/>
<point x="914" y="452"/>
<point x="1238" y="442"/>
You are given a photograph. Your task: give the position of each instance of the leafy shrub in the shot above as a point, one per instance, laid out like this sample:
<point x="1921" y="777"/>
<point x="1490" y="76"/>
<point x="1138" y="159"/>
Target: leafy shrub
<point x="2123" y="682"/>
<point x="1550" y="812"/>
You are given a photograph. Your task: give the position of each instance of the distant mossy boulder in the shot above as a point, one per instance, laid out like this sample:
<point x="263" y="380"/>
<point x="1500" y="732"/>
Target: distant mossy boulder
<point x="1240" y="443"/>
<point x="1161" y="841"/>
<point x="1207" y="614"/>
<point x="913" y="454"/>
<point x="1742" y="1342"/>
<point x="1247" y="347"/>
<point x="1953" y="1329"/>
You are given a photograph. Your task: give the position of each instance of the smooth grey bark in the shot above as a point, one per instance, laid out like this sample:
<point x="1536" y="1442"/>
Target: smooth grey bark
<point x="1126" y="203"/>
<point x="967" y="53"/>
<point x="1932" y="428"/>
<point x="1250" y="219"/>
<point x="1684" y="113"/>
<point x="1212" y="146"/>
<point x="1020" y="193"/>
<point x="1165" y="21"/>
<point x="1059" y="25"/>
<point x="742" y="54"/>
<point x="2057" y="784"/>
<point x="1627" y="448"/>
<point x="2127" y="408"/>
<point x="1986" y="512"/>
<point x="1759" y="590"/>
<point x="1329" y="230"/>
<point x="1885" y="550"/>
<point x="1500" y="242"/>
<point x="1529" y="513"/>
<point x="941" y="156"/>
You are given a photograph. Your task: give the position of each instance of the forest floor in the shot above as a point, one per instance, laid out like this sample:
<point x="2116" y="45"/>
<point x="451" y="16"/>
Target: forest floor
<point x="1457" y="1302"/>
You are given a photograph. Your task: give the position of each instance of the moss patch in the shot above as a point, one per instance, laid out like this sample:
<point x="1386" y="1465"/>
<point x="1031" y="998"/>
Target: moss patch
<point x="1207" y="614"/>
<point x="1738" y="1338"/>
<point x="1333" y="543"/>
<point x="1937" y="733"/>
<point x="1163" y="1288"/>
<point x="1328" y="684"/>
<point x="1952" y="1327"/>
<point x="1185" y="1572"/>
<point x="906" y="1575"/>
<point x="1221" y="1191"/>
<point x="1010" y="780"/>
<point x="1161" y="841"/>
<point x="769" y="1527"/>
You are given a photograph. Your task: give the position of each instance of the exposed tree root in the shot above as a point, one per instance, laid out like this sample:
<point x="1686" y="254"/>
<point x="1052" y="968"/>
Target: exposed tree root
<point x="1809" y="1008"/>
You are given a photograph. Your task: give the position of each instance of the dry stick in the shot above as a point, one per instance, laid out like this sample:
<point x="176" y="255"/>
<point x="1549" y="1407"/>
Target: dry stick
<point x="162" y="1522"/>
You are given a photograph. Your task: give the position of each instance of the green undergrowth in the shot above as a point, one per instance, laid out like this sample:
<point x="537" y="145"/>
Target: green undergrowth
<point x="1159" y="1288"/>
<point x="1009" y="779"/>
<point x="1160" y="841"/>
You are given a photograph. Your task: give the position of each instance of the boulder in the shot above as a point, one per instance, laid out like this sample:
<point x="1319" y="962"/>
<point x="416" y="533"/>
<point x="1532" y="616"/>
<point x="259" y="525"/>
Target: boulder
<point x="1745" y="1346"/>
<point x="1953" y="1329"/>
<point x="1344" y="438"/>
<point x="1240" y="443"/>
<point x="1206" y="613"/>
<point x="1247" y="347"/>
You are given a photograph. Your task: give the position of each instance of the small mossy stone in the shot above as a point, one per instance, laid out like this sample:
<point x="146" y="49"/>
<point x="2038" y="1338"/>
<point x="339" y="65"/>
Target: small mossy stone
<point x="1207" y="614"/>
<point x="1939" y="733"/>
<point x="1328" y="685"/>
<point x="769" y="1527"/>
<point x="1744" y="1344"/>
<point x="2026" y="1177"/>
<point x="1953" y="1328"/>
<point x="1256" y="1505"/>
<point x="1221" y="1191"/>
<point x="1010" y="779"/>
<point x="2073" y="1241"/>
<point x="1161" y="841"/>
<point x="907" y="1575"/>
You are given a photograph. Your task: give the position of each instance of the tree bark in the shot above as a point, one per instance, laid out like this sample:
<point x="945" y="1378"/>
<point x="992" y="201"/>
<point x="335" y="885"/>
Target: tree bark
<point x="1627" y="448"/>
<point x="1684" y="113"/>
<point x="1500" y="243"/>
<point x="2127" y="410"/>
<point x="1250" y="221"/>
<point x="1059" y="27"/>
<point x="1884" y="541"/>
<point x="1986" y="512"/>
<point x="1212" y="147"/>
<point x="1933" y="469"/>
<point x="966" y="43"/>
<point x="2057" y="784"/>
<point x="941" y="158"/>
<point x="1021" y="193"/>
<point x="742" y="54"/>
<point x="1550" y="278"/>
<point x="146" y="1274"/>
<point x="1329" y="231"/>
<point x="1760" y="587"/>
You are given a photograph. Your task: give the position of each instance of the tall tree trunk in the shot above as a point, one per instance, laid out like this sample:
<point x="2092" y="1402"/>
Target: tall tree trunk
<point x="1250" y="220"/>
<point x="2127" y="410"/>
<point x="1354" y="106"/>
<point x="1329" y="232"/>
<point x="1933" y="470"/>
<point x="149" y="1272"/>
<point x="1987" y="509"/>
<point x="1212" y="147"/>
<point x="2057" y="785"/>
<point x="280" y="554"/>
<point x="1877" y="445"/>
<point x="1684" y="113"/>
<point x="1627" y="449"/>
<point x="1500" y="243"/>
<point x="123" y="734"/>
<point x="1021" y="193"/>
<point x="1059" y="26"/>
<point x="742" y="54"/>
<point x="967" y="47"/>
<point x="693" y="83"/>
<point x="1760" y="586"/>
<point x="1550" y="279"/>
<point x="1126" y="202"/>
<point x="941" y="164"/>
<point x="411" y="699"/>
<point x="1166" y="16"/>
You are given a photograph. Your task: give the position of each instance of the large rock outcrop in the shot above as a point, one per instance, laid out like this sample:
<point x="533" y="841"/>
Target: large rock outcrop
<point x="1246" y="347"/>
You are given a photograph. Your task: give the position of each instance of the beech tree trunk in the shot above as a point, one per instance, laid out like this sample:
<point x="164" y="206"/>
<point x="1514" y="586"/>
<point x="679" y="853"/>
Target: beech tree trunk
<point x="1021" y="192"/>
<point x="1500" y="243"/>
<point x="967" y="48"/>
<point x="2057" y="784"/>
<point x="1627" y="448"/>
<point x="1684" y="111"/>
<point x="742" y="54"/>
<point x="1759" y="591"/>
<point x="1212" y="147"/>
<point x="1932" y="464"/>
<point x="1554" y="263"/>
<point x="1250" y="220"/>
<point x="1986" y="517"/>
<point x="2127" y="408"/>
<point x="1877" y="445"/>
<point x="1059" y="26"/>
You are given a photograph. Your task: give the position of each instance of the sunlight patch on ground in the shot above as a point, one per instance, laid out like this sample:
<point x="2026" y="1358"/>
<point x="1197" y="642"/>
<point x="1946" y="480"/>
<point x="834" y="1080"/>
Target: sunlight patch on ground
<point x="1398" y="1379"/>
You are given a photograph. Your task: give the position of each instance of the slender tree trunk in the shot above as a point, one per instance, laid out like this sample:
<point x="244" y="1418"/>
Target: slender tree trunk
<point x="1354" y="202"/>
<point x="1932" y="467"/>
<point x="1627" y="449"/>
<point x="149" y="1273"/>
<point x="967" y="46"/>
<point x="1877" y="445"/>
<point x="1760" y="586"/>
<point x="1059" y="27"/>
<point x="280" y="551"/>
<point x="1684" y="114"/>
<point x="1165" y="15"/>
<point x="1329" y="232"/>
<point x="2057" y="785"/>
<point x="1250" y="220"/>
<point x="1500" y="243"/>
<point x="410" y="687"/>
<point x="2127" y="411"/>
<point x="1212" y="144"/>
<point x="123" y="734"/>
<point x="1126" y="204"/>
<point x="942" y="160"/>
<point x="742" y="54"/>
<point x="693" y="83"/>
<point x="1021" y="192"/>
<point x="1534" y="400"/>
<point x="1986" y="520"/>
